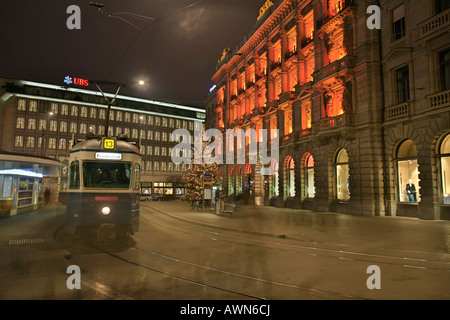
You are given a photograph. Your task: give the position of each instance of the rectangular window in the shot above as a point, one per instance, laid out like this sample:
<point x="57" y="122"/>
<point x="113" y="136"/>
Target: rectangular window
<point x="22" y="105"/>
<point x="73" y="127"/>
<point x="74" y="111"/>
<point x="63" y="126"/>
<point x="52" y="143"/>
<point x="445" y="70"/>
<point x="42" y="124"/>
<point x="53" y="125"/>
<point x="442" y="5"/>
<point x="20" y="123"/>
<point x="18" y="142"/>
<point x="64" y="110"/>
<point x="30" y="142"/>
<point x="93" y="113"/>
<point x="54" y="108"/>
<point x="62" y="144"/>
<point x="31" y="124"/>
<point x="398" y="18"/>
<point x="83" y="128"/>
<point x="33" y="106"/>
<point x="403" y="85"/>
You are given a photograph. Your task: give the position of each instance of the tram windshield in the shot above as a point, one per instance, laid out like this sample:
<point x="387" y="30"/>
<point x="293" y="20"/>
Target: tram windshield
<point x="106" y="175"/>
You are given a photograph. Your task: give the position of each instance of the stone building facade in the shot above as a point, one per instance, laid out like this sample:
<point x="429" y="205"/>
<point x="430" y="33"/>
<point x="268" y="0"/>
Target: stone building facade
<point x="362" y="114"/>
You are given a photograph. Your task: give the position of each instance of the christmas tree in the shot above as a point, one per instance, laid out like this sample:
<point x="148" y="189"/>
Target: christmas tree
<point x="194" y="176"/>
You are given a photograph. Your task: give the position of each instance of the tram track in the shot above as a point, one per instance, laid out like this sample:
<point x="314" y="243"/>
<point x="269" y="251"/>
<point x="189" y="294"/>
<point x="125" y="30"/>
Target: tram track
<point x="229" y="281"/>
<point x="241" y="294"/>
<point x="315" y="250"/>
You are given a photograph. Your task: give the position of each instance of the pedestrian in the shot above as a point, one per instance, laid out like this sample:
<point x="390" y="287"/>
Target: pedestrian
<point x="47" y="196"/>
<point x="194" y="201"/>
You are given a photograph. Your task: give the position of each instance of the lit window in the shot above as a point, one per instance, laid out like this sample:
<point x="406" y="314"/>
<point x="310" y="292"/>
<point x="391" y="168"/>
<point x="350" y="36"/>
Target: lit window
<point x="342" y="176"/>
<point x="291" y="177"/>
<point x="20" y="123"/>
<point x="310" y="188"/>
<point x="408" y="172"/>
<point x="445" y="168"/>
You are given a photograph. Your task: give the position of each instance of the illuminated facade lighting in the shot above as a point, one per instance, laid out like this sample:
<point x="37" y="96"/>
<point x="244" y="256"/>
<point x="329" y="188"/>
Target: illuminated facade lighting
<point x="356" y="136"/>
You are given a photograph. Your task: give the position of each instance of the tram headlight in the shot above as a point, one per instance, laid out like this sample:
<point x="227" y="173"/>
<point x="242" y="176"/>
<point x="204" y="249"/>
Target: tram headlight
<point x="106" y="211"/>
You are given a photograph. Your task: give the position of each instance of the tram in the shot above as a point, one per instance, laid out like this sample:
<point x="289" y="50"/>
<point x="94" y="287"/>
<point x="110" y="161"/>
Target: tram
<point x="104" y="186"/>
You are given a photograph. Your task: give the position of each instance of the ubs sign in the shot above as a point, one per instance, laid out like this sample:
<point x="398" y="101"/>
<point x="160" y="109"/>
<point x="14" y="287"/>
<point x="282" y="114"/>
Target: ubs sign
<point x="76" y="81"/>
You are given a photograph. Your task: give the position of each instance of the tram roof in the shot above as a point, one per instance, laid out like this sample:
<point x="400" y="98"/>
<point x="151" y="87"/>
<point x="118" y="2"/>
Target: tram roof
<point x="95" y="144"/>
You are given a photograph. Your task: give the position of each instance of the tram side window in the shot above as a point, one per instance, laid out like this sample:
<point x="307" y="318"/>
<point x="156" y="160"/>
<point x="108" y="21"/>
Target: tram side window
<point x="74" y="177"/>
<point x="137" y="175"/>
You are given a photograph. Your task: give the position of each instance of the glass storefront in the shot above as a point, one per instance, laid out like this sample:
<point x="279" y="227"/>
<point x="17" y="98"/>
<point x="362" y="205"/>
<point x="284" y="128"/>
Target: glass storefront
<point x="342" y="176"/>
<point x="310" y="188"/>
<point x="408" y="172"/>
<point x="291" y="178"/>
<point x="445" y="168"/>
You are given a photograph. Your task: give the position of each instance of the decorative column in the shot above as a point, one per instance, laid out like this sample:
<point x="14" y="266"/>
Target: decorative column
<point x="300" y="58"/>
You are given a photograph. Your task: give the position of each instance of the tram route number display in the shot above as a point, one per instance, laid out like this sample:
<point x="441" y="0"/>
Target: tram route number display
<point x="109" y="143"/>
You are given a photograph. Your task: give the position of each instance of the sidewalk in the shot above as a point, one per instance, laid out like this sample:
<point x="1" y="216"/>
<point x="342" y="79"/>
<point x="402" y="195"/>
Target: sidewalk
<point x="342" y="230"/>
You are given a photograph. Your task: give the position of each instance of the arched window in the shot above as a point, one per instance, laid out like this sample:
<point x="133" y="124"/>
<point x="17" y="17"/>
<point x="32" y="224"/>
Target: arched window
<point x="309" y="178"/>
<point x="290" y="177"/>
<point x="230" y="181"/>
<point x="408" y="172"/>
<point x="239" y="180"/>
<point x="445" y="168"/>
<point x="274" y="179"/>
<point x="342" y="176"/>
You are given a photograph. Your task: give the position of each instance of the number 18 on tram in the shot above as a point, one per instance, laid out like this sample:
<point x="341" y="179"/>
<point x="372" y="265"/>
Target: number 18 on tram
<point x="104" y="183"/>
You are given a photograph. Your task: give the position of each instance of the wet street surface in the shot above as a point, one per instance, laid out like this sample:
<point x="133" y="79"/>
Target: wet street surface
<point x="255" y="253"/>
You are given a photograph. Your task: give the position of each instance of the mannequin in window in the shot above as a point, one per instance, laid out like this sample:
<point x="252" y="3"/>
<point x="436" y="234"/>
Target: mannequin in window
<point x="411" y="191"/>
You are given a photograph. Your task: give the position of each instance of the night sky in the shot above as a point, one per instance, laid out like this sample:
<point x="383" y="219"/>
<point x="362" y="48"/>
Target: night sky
<point x="176" y="55"/>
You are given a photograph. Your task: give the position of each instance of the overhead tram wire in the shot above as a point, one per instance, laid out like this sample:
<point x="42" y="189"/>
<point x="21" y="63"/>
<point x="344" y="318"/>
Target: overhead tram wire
<point x="100" y="7"/>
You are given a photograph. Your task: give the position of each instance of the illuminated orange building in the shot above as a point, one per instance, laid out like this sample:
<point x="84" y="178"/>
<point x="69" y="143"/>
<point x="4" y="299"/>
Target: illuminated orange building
<point x="342" y="100"/>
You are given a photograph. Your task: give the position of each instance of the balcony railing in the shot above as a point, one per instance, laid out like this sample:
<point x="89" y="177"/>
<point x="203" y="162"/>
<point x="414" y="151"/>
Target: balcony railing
<point x="440" y="100"/>
<point x="335" y="122"/>
<point x="345" y="62"/>
<point x="398" y="111"/>
<point x="332" y="12"/>
<point x="434" y="24"/>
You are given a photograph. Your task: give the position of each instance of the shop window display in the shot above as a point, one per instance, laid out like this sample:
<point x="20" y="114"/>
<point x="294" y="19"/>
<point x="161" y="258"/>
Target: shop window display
<point x="310" y="188"/>
<point x="408" y="172"/>
<point x="445" y="168"/>
<point x="291" y="178"/>
<point x="342" y="176"/>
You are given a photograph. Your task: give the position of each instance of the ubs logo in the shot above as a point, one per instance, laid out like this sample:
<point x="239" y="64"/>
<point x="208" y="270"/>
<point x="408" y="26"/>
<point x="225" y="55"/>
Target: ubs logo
<point x="76" y="81"/>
